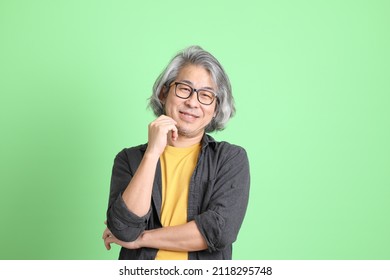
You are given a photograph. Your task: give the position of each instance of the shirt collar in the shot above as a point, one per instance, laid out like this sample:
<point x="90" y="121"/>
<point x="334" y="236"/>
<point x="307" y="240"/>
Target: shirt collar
<point x="206" y="140"/>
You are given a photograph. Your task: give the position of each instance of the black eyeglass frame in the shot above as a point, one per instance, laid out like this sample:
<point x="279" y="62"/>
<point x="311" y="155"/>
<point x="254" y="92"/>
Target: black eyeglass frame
<point x="195" y="90"/>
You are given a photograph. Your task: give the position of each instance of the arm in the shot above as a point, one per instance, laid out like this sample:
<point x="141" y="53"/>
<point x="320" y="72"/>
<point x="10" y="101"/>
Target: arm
<point x="129" y="211"/>
<point x="176" y="238"/>
<point x="138" y="193"/>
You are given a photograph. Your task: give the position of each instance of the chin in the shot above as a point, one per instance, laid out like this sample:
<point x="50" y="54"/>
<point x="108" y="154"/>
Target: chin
<point x="183" y="131"/>
<point x="188" y="132"/>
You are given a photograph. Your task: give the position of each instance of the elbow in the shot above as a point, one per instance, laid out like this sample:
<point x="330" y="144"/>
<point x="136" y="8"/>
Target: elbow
<point x="122" y="230"/>
<point x="222" y="242"/>
<point x="225" y="241"/>
<point x="215" y="231"/>
<point x="125" y="225"/>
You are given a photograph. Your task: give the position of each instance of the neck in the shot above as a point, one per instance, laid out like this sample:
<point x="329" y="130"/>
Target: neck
<point x="184" y="141"/>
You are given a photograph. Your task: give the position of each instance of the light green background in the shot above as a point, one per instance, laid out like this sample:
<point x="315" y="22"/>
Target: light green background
<point x="311" y="81"/>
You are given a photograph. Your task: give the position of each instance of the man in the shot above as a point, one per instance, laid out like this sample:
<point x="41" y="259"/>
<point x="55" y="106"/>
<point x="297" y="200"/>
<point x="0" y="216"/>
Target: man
<point x="182" y="195"/>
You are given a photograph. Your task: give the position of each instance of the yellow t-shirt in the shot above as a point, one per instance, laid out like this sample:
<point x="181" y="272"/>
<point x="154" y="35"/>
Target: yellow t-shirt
<point x="177" y="166"/>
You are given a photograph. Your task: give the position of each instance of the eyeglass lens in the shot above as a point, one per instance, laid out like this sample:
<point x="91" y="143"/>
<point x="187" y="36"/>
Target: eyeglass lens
<point x="204" y="96"/>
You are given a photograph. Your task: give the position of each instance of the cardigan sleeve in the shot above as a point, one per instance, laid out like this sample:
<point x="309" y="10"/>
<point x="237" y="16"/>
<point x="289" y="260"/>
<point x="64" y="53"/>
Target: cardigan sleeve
<point x="221" y="221"/>
<point x="124" y="224"/>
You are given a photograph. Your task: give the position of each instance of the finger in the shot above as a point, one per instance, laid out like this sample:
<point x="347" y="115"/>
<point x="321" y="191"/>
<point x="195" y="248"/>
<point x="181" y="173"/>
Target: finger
<point x="162" y="123"/>
<point x="106" y="233"/>
<point x="164" y="118"/>
<point x="164" y="126"/>
<point x="174" y="134"/>
<point x="107" y="243"/>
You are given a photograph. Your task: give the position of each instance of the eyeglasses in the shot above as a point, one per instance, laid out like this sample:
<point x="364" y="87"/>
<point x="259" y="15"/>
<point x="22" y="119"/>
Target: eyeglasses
<point x="184" y="91"/>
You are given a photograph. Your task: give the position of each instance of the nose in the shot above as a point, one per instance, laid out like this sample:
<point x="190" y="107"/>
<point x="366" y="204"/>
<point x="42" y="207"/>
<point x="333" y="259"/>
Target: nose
<point x="192" y="101"/>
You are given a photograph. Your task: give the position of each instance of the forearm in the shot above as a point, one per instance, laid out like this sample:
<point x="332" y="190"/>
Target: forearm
<point x="137" y="195"/>
<point x="175" y="238"/>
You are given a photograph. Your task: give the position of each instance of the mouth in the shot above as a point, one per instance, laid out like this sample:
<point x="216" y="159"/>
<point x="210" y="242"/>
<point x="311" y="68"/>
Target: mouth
<point x="188" y="115"/>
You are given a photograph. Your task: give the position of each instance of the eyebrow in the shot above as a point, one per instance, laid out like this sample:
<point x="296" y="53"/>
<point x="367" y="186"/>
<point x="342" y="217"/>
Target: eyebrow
<point x="191" y="84"/>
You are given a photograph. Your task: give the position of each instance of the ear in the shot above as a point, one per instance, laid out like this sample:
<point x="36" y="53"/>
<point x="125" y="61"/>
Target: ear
<point x="163" y="94"/>
<point x="215" y="110"/>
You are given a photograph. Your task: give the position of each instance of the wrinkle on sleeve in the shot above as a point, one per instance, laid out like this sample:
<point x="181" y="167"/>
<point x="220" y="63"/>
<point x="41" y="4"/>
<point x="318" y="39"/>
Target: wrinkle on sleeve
<point x="210" y="225"/>
<point x="124" y="224"/>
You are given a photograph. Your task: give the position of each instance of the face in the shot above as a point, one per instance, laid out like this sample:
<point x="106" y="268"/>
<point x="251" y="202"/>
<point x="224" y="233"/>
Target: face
<point x="191" y="116"/>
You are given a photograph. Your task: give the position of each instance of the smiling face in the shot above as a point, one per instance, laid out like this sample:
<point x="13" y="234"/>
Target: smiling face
<point x="191" y="116"/>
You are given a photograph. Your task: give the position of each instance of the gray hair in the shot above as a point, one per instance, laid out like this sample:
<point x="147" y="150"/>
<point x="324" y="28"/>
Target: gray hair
<point x="195" y="55"/>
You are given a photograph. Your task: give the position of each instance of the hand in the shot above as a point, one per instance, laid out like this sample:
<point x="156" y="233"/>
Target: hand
<point x="159" y="130"/>
<point x="109" y="238"/>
